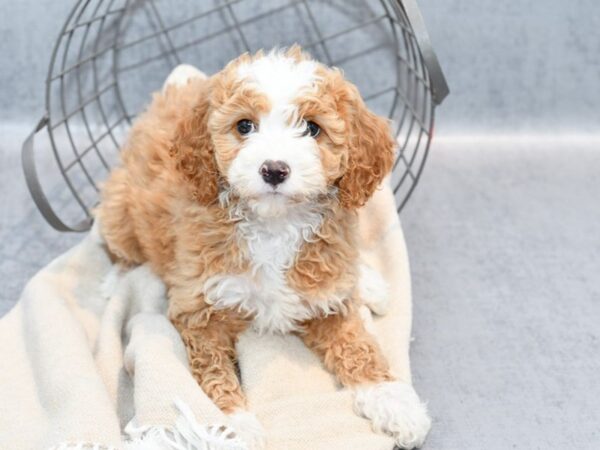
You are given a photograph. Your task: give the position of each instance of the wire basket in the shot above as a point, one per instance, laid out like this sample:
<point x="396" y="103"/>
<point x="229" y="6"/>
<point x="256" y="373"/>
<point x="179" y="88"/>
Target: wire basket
<point x="111" y="54"/>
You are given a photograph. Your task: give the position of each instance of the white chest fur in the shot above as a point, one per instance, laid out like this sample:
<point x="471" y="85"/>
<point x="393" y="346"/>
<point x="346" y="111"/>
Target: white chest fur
<point x="272" y="244"/>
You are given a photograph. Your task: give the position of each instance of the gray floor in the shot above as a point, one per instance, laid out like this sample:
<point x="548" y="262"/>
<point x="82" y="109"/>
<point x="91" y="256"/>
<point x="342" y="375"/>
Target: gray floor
<point x="504" y="240"/>
<point x="503" y="236"/>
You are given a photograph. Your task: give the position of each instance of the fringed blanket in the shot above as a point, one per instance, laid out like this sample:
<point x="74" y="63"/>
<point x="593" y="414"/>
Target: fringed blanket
<point x="89" y="360"/>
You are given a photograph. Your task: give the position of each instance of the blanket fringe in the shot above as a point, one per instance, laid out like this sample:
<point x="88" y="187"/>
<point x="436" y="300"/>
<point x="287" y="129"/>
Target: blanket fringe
<point x="187" y="434"/>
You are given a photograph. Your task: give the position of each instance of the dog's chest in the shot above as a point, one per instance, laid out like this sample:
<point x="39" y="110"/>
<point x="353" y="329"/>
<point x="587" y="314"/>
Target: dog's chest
<point x="271" y="247"/>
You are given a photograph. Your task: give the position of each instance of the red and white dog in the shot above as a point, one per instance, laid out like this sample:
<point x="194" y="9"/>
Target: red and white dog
<point x="241" y="191"/>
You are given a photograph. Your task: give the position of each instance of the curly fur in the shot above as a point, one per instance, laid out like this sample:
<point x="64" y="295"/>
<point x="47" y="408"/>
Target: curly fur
<point x="394" y="408"/>
<point x="193" y="153"/>
<point x="175" y="203"/>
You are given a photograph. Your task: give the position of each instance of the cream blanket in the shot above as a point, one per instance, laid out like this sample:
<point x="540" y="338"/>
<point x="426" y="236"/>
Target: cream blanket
<point x="89" y="360"/>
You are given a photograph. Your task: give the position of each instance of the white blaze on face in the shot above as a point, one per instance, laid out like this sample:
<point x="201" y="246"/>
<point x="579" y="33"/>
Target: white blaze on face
<point x="279" y="136"/>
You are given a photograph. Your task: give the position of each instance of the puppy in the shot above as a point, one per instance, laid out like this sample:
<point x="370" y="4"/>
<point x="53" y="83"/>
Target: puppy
<point x="241" y="191"/>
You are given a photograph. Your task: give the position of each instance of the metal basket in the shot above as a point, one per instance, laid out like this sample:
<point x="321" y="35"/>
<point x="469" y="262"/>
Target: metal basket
<point x="111" y="54"/>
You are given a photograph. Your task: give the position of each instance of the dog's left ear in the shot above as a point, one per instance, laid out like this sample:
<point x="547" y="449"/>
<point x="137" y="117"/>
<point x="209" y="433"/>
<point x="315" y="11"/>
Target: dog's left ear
<point x="371" y="152"/>
<point x="193" y="150"/>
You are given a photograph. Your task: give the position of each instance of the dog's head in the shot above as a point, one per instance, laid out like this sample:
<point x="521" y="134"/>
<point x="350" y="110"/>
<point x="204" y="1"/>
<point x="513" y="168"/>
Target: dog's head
<point x="279" y="129"/>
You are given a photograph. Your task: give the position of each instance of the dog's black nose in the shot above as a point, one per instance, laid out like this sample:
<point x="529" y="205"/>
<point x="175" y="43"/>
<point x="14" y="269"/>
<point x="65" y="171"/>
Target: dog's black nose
<point x="274" y="172"/>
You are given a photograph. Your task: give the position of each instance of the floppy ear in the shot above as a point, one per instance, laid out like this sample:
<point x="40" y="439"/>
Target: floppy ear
<point x="193" y="151"/>
<point x="371" y="152"/>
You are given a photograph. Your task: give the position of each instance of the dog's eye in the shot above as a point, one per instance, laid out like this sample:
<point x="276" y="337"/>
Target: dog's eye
<point x="245" y="127"/>
<point x="312" y="129"/>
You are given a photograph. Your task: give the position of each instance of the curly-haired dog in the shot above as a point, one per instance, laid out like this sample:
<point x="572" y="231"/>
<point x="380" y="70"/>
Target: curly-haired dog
<point x="241" y="191"/>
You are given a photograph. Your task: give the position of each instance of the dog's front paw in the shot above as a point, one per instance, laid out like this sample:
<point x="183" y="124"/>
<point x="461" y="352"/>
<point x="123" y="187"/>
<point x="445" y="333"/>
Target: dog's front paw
<point x="394" y="408"/>
<point x="248" y="429"/>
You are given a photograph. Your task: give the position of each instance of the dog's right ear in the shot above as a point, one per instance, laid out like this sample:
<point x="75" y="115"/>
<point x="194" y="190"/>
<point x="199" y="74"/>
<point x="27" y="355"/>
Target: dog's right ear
<point x="193" y="151"/>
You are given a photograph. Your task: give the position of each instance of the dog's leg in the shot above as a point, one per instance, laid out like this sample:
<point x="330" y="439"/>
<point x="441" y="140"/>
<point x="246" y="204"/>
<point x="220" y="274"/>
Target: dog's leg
<point x="347" y="349"/>
<point x="353" y="355"/>
<point x="209" y="336"/>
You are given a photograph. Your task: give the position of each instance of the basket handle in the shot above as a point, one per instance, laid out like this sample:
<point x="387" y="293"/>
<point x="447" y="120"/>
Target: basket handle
<point x="35" y="188"/>
<point x="439" y="86"/>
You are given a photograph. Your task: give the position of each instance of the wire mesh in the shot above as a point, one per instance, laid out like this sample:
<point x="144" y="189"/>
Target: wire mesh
<point x="111" y="54"/>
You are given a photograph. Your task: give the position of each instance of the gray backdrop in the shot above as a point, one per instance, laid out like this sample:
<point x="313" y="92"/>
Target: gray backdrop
<point x="511" y="65"/>
<point x="503" y="231"/>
